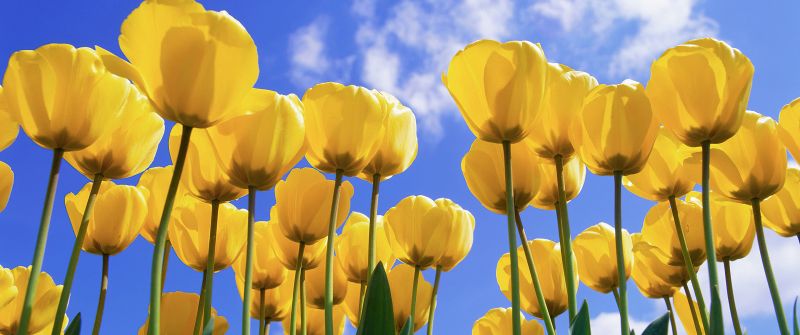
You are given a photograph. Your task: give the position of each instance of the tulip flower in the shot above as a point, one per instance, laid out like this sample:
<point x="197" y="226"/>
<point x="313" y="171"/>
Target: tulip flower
<point x="574" y="175"/>
<point x="688" y="310"/>
<point x="664" y="175"/>
<point x="6" y="183"/>
<point x="353" y="302"/>
<point x="410" y="295"/>
<point x="497" y="321"/>
<point x="352" y="248"/>
<point x="179" y="315"/>
<point x="313" y="283"/>
<point x="654" y="276"/>
<point x="8" y="126"/>
<point x="8" y="291"/>
<point x="782" y="210"/>
<point x="788" y="127"/>
<point x="595" y="251"/>
<point x="315" y="325"/>
<point x="659" y="229"/>
<point x="266" y="270"/>
<point x="44" y="302"/>
<point x="271" y="304"/>
<point x="287" y="250"/>
<point x="482" y="167"/>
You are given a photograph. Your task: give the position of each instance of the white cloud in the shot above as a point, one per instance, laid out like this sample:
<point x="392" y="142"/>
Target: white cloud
<point x="608" y="323"/>
<point x="308" y="56"/>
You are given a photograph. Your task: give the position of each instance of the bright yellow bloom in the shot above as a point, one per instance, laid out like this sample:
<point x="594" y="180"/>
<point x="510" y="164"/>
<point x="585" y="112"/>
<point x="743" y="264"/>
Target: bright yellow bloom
<point x="315" y="321"/>
<point x="596" y="253"/>
<point x="6" y="184"/>
<point x="788" y="127"/>
<point x="315" y="285"/>
<point x="483" y="169"/>
<point x="664" y="175"/>
<point x="63" y="97"/>
<point x="196" y="92"/>
<point x="8" y="126"/>
<point x="700" y="89"/>
<point x="659" y="230"/>
<point x="345" y="126"/>
<point x="457" y="239"/>
<point x="352" y="247"/>
<point x="563" y="99"/>
<point x="259" y="147"/>
<point x="303" y="204"/>
<point x="497" y="321"/>
<point x="118" y="215"/>
<point x="8" y="290"/>
<point x="189" y="234"/>
<point x="734" y="226"/>
<point x="286" y="249"/>
<point x="277" y="300"/>
<point x="126" y="149"/>
<point x="782" y="210"/>
<point x="399" y="147"/>
<point x="156" y="181"/>
<point x="498" y="87"/>
<point x="682" y="303"/>
<point x="651" y="272"/>
<point x="401" y="280"/>
<point x="178" y="315"/>
<point x="351" y="303"/>
<point x="615" y="130"/>
<point x="268" y="272"/>
<point x="547" y="195"/>
<point x="45" y="302"/>
<point x="547" y="261"/>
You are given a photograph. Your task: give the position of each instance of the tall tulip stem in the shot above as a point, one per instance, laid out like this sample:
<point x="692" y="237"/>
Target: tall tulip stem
<point x="433" y="299"/>
<point x="209" y="273"/>
<point x="165" y="261"/>
<point x="76" y="254"/>
<point x="512" y="241"/>
<point x="566" y="238"/>
<point x="248" y="272"/>
<point x="687" y="261"/>
<point x="101" y="300"/>
<point x="692" y="309"/>
<point x="413" y="297"/>
<point x="261" y="316"/>
<point x="153" y="326"/>
<point x="548" y="321"/>
<point x="715" y="326"/>
<point x="329" y="255"/>
<point x="373" y="213"/>
<point x="623" y="295"/>
<point x="41" y="241"/>
<point x="361" y="292"/>
<point x="303" y="324"/>
<point x="198" y="316"/>
<point x="296" y="287"/>
<point x="731" y="300"/>
<point x="671" y="316"/>
<point x="773" y="287"/>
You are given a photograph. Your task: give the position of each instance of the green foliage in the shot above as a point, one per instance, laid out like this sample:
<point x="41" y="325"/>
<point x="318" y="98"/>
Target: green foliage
<point x="659" y="326"/>
<point x="74" y="327"/>
<point x="581" y="326"/>
<point x="377" y="316"/>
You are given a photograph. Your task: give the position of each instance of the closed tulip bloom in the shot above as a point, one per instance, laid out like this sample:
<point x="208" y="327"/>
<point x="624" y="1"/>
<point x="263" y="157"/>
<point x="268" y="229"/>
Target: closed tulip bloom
<point x="178" y="315"/>
<point x="788" y="127"/>
<point x="651" y="272"/>
<point x="259" y="147"/>
<point x="563" y="98"/>
<point x="352" y="302"/>
<point x="615" y="130"/>
<point x="277" y="300"/>
<point x="315" y="285"/>
<point x="399" y="147"/>
<point x="498" y="87"/>
<point x="483" y="170"/>
<point x="286" y="249"/>
<point x="315" y="322"/>
<point x="457" y="240"/>
<point x="189" y="234"/>
<point x="118" y="216"/>
<point x="574" y="176"/>
<point x="6" y="183"/>
<point x="63" y="97"/>
<point x="734" y="226"/>
<point x="400" y="284"/>
<point x="700" y="89"/>
<point x="596" y="253"/>
<point x="352" y="247"/>
<point x="547" y="261"/>
<point x="8" y="290"/>
<point x="664" y="175"/>
<point x="199" y="93"/>
<point x="659" y="230"/>
<point x="345" y="126"/>
<point x="497" y="321"/>
<point x="303" y="204"/>
<point x="156" y="180"/>
<point x="8" y="126"/>
<point x="782" y="210"/>
<point x="268" y="272"/>
<point x="45" y="302"/>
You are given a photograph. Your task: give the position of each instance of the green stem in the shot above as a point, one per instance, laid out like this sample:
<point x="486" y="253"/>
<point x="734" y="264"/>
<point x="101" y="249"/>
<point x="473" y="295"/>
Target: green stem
<point x="773" y="287"/>
<point x="566" y="239"/>
<point x="198" y="316"/>
<point x="329" y="255"/>
<point x="248" y="272"/>
<point x="623" y="295"/>
<point x="512" y="241"/>
<point x="373" y="213"/>
<point x="261" y="317"/>
<point x="616" y="296"/>
<point x="413" y="298"/>
<point x="731" y="300"/>
<point x="303" y="324"/>
<point x="692" y="309"/>
<point x="101" y="301"/>
<point x="548" y="321"/>
<point x="716" y="324"/>
<point x="165" y="261"/>
<point x="433" y="298"/>
<point x="362" y="290"/>
<point x="687" y="262"/>
<point x="671" y="316"/>
<point x="76" y="254"/>
<point x="153" y="327"/>
<point x="296" y="287"/>
<point x="41" y="241"/>
<point x="210" y="261"/>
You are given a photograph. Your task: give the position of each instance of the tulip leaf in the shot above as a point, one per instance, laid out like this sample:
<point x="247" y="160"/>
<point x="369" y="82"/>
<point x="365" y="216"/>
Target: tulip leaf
<point x="407" y="328"/>
<point x="74" y="327"/>
<point x="658" y="327"/>
<point x="796" y="324"/>
<point x="581" y="326"/>
<point x="377" y="316"/>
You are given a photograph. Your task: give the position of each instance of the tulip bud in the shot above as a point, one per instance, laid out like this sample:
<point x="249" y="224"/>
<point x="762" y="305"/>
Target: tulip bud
<point x="664" y="175"/>
<point x="483" y="170"/>
<point x="596" y="254"/>
<point x="734" y="226"/>
<point x="788" y="127"/>
<point x="574" y="176"/>
<point x="498" y="321"/>
<point x="399" y="146"/>
<point x="189" y="234"/>
<point x="659" y="230"/>
<point x="782" y="210"/>
<point x="352" y="247"/>
<point x="178" y="315"/>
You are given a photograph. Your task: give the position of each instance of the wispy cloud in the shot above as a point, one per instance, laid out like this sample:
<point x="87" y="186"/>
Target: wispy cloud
<point x="308" y="55"/>
<point x="608" y="323"/>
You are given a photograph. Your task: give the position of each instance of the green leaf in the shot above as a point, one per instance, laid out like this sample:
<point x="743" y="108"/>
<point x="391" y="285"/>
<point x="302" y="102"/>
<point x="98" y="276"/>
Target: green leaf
<point x="74" y="327"/>
<point x="796" y="324"/>
<point x="378" y="316"/>
<point x="407" y="328"/>
<point x="658" y="327"/>
<point x="580" y="326"/>
<point x="209" y="328"/>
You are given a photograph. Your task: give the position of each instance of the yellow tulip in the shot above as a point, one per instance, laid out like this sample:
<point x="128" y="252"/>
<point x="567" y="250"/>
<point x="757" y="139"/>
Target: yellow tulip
<point x="189" y="234"/>
<point x="547" y="195"/>
<point x="259" y="147"/>
<point x="268" y="272"/>
<point x="277" y="300"/>
<point x="352" y="302"/>
<point x="651" y="272"/>
<point x="8" y="291"/>
<point x="315" y="321"/>
<point x="178" y="315"/>
<point x="483" y="170"/>
<point x="8" y="126"/>
<point x="63" y="97"/>
<point x="615" y="130"/>
<point x="345" y="126"/>
<point x="400" y="284"/>
<point x="352" y="247"/>
<point x="788" y="127"/>
<point x="700" y="89"/>
<point x="596" y="254"/>
<point x="6" y="184"/>
<point x="199" y="92"/>
<point x="118" y="216"/>
<point x="497" y="321"/>
<point x="664" y="175"/>
<point x="563" y="99"/>
<point x="682" y="307"/>
<point x="286" y="249"/>
<point x="547" y="261"/>
<point x="782" y="210"/>
<point x="659" y="230"/>
<point x="399" y="147"/>
<point x="156" y="180"/>
<point x="457" y="240"/>
<point x="315" y="285"/>
<point x="45" y="302"/>
<point x="734" y="226"/>
<point x="498" y="87"/>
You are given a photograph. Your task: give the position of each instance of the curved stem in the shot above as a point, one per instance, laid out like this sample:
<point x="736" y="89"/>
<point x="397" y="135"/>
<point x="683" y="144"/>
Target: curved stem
<point x="616" y="296"/>
<point x="296" y="287"/>
<point x="671" y="316"/>
<point x="687" y="262"/>
<point x="373" y="213"/>
<point x="153" y="326"/>
<point x="413" y="298"/>
<point x="716" y="324"/>
<point x="512" y="241"/>
<point x="303" y="324"/>
<point x="731" y="300"/>
<point x="566" y="239"/>
<point x="548" y="321"/>
<point x="692" y="309"/>
<point x="773" y="287"/>
<point x="101" y="301"/>
<point x="623" y="295"/>
<point x="329" y="255"/>
<point x="210" y="261"/>
<point x="198" y="316"/>
<point x="433" y="299"/>
<point x="261" y="317"/>
<point x="76" y="254"/>
<point x="41" y="241"/>
<point x="248" y="272"/>
<point x="362" y="290"/>
<point x="165" y="261"/>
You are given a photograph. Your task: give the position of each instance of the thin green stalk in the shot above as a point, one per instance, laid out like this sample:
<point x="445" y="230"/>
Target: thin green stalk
<point x="101" y="301"/>
<point x="691" y="308"/>
<point x="512" y="241"/>
<point x="373" y="213"/>
<point x="153" y="327"/>
<point x="548" y="321"/>
<point x="671" y="316"/>
<point x="716" y="324"/>
<point x="616" y="296"/>
<point x="433" y="298"/>
<point x="773" y="287"/>
<point x="303" y="324"/>
<point x="731" y="300"/>
<point x="261" y="317"/>
<point x="248" y="272"/>
<point x="566" y="239"/>
<point x="623" y="295"/>
<point x="687" y="261"/>
<point x="563" y="251"/>
<point x="165" y="261"/>
<point x="210" y="260"/>
<point x="362" y="290"/>
<point x="41" y="241"/>
<point x="329" y="255"/>
<point x="76" y="254"/>
<point x="414" y="297"/>
<point x="296" y="288"/>
<point x="198" y="316"/>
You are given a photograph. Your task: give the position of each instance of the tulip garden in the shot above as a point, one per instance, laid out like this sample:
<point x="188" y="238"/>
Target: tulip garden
<point x="716" y="174"/>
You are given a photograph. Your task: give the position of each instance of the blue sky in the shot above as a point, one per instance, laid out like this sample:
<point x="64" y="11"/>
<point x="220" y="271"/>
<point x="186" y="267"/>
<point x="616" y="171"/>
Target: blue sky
<point x="402" y="47"/>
